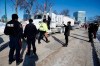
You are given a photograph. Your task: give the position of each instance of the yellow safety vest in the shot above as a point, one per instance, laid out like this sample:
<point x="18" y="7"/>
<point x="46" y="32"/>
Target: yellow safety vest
<point x="43" y="27"/>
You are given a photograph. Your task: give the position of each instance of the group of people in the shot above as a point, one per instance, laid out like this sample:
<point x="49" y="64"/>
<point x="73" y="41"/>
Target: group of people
<point x="92" y="30"/>
<point x="15" y="31"/>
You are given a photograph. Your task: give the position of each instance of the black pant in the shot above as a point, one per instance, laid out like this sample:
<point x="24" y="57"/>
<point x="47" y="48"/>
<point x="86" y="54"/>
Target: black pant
<point x="48" y="25"/>
<point x="66" y="39"/>
<point x="41" y="36"/>
<point x="14" y="44"/>
<point x="29" y="42"/>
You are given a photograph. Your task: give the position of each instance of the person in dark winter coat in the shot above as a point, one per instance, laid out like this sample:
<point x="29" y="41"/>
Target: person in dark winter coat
<point x="15" y="31"/>
<point x="48" y="22"/>
<point x="30" y="33"/>
<point x="67" y="33"/>
<point x="96" y="26"/>
<point x="90" y="32"/>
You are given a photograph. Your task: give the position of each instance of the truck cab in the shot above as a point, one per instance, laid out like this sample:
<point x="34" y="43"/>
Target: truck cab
<point x="37" y="19"/>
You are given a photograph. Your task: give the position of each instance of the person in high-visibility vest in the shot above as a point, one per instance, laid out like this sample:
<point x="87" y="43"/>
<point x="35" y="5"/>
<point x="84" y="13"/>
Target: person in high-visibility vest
<point x="43" y="31"/>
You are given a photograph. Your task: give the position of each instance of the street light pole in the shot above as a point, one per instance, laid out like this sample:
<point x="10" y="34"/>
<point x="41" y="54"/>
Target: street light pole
<point x="16" y="7"/>
<point x="5" y="12"/>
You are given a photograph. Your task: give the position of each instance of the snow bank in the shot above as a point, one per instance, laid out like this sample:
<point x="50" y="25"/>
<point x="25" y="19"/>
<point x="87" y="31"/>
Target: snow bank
<point x="98" y="34"/>
<point x="2" y="26"/>
<point x="98" y="31"/>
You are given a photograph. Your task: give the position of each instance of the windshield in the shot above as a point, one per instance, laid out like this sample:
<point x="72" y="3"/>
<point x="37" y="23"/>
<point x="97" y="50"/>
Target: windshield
<point x="38" y="17"/>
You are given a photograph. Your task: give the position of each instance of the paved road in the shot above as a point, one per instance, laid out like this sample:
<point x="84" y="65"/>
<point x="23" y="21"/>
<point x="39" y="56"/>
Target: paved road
<point x="78" y="53"/>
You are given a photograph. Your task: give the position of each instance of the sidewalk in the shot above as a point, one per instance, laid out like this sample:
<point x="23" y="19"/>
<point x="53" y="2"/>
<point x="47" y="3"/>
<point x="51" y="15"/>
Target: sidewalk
<point x="78" y="53"/>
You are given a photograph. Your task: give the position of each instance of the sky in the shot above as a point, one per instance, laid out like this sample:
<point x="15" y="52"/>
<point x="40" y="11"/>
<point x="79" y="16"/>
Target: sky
<point x="92" y="7"/>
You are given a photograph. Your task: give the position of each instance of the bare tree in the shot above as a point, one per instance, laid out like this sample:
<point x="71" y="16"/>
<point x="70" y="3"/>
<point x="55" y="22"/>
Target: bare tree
<point x="65" y="12"/>
<point x="55" y="12"/>
<point x="97" y="19"/>
<point x="48" y="4"/>
<point x="27" y="5"/>
<point x="44" y="6"/>
<point x="23" y="5"/>
<point x="38" y="7"/>
<point x="16" y="4"/>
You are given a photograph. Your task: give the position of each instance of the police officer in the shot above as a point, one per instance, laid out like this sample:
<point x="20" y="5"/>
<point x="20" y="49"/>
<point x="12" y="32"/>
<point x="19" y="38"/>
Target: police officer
<point x="43" y="31"/>
<point x="67" y="33"/>
<point x="14" y="30"/>
<point x="30" y="32"/>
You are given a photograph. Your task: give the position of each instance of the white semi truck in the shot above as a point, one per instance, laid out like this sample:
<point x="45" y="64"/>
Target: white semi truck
<point x="56" y="24"/>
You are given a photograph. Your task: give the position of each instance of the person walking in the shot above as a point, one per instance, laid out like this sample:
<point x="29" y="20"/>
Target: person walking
<point x="30" y="33"/>
<point x="43" y="31"/>
<point x="96" y="26"/>
<point x="90" y="32"/>
<point x="14" y="29"/>
<point x="67" y="33"/>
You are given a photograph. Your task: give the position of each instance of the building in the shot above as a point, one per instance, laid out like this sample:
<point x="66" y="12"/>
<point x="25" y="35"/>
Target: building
<point x="80" y="16"/>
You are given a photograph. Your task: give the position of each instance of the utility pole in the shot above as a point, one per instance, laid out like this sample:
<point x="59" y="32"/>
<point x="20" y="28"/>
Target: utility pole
<point x="16" y="7"/>
<point x="45" y="6"/>
<point x="5" y="11"/>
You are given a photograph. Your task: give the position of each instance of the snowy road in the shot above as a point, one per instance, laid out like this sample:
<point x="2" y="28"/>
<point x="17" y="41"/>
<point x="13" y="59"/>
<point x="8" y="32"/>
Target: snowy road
<point x="78" y="53"/>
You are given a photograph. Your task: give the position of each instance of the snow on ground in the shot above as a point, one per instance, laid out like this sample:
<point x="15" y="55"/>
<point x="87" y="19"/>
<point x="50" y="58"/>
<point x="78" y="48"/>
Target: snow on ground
<point x="99" y="30"/>
<point x="2" y="26"/>
<point x="98" y="34"/>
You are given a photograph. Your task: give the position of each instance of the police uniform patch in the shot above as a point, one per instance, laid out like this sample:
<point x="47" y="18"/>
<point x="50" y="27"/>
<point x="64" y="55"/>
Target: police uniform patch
<point x="10" y="25"/>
